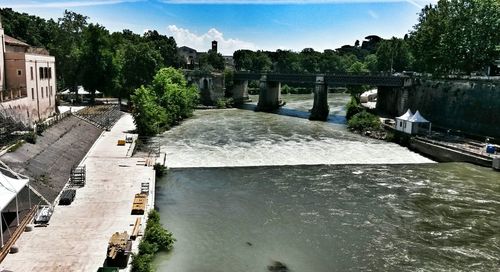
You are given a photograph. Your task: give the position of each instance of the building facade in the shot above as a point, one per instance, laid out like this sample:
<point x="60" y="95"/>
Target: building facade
<point x="27" y="81"/>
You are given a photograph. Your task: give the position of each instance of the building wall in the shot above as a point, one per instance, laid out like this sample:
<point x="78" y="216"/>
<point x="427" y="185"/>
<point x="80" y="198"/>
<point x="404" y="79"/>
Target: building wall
<point x="41" y="87"/>
<point x="2" y="66"/>
<point x="15" y="70"/>
<point x="470" y="106"/>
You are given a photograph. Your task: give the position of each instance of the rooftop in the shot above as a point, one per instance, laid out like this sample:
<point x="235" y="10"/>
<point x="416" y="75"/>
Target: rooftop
<point x="13" y="41"/>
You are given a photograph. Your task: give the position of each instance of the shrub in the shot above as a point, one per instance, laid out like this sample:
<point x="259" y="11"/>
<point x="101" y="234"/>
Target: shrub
<point x="142" y="262"/>
<point x="352" y="108"/>
<point x="160" y="170"/>
<point x="30" y="137"/>
<point x="364" y="121"/>
<point x="223" y="103"/>
<point x="156" y="238"/>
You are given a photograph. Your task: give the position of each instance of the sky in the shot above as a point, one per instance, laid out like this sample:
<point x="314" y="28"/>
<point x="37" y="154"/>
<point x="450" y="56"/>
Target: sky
<point x="243" y="24"/>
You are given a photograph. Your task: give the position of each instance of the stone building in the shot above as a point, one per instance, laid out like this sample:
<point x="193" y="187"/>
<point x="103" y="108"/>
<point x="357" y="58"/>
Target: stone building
<point x="27" y="81"/>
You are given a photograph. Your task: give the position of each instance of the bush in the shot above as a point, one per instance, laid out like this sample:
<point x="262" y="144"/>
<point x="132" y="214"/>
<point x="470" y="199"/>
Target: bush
<point x="352" y="108"/>
<point x="167" y="101"/>
<point x="224" y="103"/>
<point x="156" y="238"/>
<point x="364" y="121"/>
<point x="142" y="262"/>
<point x="160" y="170"/>
<point x="30" y="137"/>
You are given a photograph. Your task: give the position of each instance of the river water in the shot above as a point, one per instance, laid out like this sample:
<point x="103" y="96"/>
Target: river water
<point x="245" y="189"/>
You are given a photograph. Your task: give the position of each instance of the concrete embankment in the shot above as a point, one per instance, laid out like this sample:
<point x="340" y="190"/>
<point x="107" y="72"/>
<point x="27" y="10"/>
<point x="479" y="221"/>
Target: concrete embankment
<point x="48" y="162"/>
<point x="77" y="236"/>
<point x="469" y="106"/>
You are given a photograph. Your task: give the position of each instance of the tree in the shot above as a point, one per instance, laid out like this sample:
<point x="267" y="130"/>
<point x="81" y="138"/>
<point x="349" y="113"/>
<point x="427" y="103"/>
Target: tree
<point x="98" y="69"/>
<point x="148" y="116"/>
<point x="394" y="55"/>
<point x="212" y="59"/>
<point x="140" y="63"/>
<point x="457" y="36"/>
<point x="67" y="49"/>
<point x="166" y="46"/>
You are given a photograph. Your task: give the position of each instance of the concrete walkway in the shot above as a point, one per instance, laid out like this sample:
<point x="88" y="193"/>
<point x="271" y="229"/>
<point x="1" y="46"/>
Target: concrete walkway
<point x="77" y="236"/>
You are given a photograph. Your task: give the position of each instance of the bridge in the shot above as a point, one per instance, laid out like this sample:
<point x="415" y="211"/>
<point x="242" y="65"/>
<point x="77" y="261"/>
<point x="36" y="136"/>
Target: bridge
<point x="270" y="87"/>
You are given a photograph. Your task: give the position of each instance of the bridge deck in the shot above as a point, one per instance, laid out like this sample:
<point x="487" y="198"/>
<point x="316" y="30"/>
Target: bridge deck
<point x="332" y="80"/>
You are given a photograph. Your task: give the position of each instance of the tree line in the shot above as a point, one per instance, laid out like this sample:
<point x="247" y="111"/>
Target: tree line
<point x="450" y="37"/>
<point x="88" y="54"/>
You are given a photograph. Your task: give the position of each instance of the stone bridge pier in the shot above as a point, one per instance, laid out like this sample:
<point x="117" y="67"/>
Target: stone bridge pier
<point x="269" y="95"/>
<point x="320" y="108"/>
<point x="240" y="91"/>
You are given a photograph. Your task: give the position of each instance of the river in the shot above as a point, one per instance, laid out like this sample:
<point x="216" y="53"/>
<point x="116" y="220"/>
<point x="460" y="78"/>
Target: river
<point x="245" y="189"/>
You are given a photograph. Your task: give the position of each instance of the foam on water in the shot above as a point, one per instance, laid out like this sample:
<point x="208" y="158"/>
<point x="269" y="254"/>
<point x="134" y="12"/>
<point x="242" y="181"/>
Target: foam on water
<point x="232" y="138"/>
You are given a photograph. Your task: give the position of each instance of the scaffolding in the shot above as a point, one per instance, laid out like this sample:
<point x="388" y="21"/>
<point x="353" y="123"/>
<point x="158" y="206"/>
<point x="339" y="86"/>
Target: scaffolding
<point x="78" y="176"/>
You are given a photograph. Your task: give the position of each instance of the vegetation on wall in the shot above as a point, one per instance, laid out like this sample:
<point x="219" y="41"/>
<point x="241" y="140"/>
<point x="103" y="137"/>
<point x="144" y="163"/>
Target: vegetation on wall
<point x="164" y="103"/>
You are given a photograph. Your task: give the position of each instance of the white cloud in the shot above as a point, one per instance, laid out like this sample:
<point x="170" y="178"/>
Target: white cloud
<point x="203" y="42"/>
<point x="63" y="4"/>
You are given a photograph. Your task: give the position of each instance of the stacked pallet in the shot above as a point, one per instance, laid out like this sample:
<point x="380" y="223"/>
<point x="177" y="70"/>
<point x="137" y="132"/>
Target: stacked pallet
<point x="140" y="202"/>
<point x="119" y="249"/>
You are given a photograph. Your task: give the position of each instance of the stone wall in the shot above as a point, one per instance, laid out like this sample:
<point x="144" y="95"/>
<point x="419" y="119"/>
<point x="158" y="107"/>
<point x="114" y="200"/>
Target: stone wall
<point x="470" y="106"/>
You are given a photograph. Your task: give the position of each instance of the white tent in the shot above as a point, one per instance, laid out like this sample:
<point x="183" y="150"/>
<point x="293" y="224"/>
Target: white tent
<point x="11" y="184"/>
<point x="410" y="123"/>
<point x="402" y="122"/>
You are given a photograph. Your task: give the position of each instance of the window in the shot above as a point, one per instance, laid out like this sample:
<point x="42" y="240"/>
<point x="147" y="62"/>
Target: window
<point x="45" y="72"/>
<point x="42" y="92"/>
<point x="19" y="72"/>
<point x="50" y="88"/>
<point x="50" y="73"/>
<point x="31" y="72"/>
<point x="47" y="91"/>
<point x="40" y="71"/>
<point x="32" y="93"/>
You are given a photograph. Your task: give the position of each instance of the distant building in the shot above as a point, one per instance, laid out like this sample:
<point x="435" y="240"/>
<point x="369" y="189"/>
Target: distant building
<point x="189" y="56"/>
<point x="229" y="62"/>
<point x="27" y="81"/>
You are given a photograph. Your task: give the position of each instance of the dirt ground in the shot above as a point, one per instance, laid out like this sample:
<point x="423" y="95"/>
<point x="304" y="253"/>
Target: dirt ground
<point x="48" y="162"/>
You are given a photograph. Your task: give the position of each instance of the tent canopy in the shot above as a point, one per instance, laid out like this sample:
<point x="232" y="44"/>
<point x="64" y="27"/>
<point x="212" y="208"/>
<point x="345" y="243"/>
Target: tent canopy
<point x="10" y="185"/>
<point x="81" y="91"/>
<point x="407" y="116"/>
<point x="418" y="118"/>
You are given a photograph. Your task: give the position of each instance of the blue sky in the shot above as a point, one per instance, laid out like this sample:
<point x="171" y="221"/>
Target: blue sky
<point x="238" y="24"/>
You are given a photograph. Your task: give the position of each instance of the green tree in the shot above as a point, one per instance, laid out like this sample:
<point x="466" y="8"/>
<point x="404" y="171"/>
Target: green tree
<point x="394" y="55"/>
<point x="139" y="65"/>
<point x="98" y="69"/>
<point x="213" y="60"/>
<point x="149" y="117"/>
<point x="457" y="36"/>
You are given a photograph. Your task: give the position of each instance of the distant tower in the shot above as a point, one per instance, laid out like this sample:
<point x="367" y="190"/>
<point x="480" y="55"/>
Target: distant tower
<point x="214" y="46"/>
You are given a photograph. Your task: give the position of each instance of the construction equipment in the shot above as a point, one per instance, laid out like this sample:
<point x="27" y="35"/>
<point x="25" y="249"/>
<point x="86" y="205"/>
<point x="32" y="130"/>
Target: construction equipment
<point x="121" y="142"/>
<point x="140" y="202"/>
<point x="119" y="249"/>
<point x="78" y="176"/>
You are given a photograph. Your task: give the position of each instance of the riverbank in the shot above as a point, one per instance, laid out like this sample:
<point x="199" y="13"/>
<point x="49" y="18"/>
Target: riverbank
<point x="77" y="235"/>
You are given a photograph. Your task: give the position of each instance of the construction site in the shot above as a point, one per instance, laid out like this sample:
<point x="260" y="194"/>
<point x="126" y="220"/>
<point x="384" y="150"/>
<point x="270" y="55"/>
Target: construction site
<point x="80" y="172"/>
